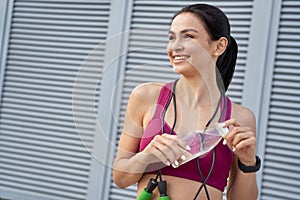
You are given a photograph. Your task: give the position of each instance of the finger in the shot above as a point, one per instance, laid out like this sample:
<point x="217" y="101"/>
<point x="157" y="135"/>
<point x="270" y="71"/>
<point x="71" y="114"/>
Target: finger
<point x="174" y="148"/>
<point x="184" y="156"/>
<point x="227" y="124"/>
<point x="241" y="136"/>
<point x="155" y="154"/>
<point x="161" y="157"/>
<point x="164" y="145"/>
<point x="153" y="149"/>
<point x="168" y="145"/>
<point x="234" y="135"/>
<point x="230" y="122"/>
<point x="173" y="154"/>
<point x="246" y="143"/>
<point x="234" y="131"/>
<point x="180" y="142"/>
<point x="175" y="141"/>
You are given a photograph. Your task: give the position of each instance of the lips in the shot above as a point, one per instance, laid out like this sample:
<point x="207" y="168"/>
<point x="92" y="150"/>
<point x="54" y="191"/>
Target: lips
<point x="180" y="57"/>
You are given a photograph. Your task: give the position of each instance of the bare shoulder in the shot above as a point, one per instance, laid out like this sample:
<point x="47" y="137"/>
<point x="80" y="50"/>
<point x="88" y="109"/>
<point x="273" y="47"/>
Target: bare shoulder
<point x="142" y="98"/>
<point x="146" y="93"/>
<point x="243" y="115"/>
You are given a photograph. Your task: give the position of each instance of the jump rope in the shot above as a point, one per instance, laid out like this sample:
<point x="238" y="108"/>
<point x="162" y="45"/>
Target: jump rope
<point x="146" y="193"/>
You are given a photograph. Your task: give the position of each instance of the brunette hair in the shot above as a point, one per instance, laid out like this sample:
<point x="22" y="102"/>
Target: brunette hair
<point x="217" y="25"/>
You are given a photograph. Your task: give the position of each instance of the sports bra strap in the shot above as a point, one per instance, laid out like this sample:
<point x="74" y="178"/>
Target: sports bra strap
<point x="228" y="109"/>
<point x="165" y="94"/>
<point x="163" y="98"/>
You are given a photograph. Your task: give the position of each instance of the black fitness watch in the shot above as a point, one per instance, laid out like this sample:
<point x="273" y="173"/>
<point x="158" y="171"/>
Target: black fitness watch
<point x="250" y="169"/>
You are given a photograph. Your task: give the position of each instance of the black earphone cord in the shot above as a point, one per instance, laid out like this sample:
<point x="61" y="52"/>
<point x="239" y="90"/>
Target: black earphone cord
<point x="172" y="96"/>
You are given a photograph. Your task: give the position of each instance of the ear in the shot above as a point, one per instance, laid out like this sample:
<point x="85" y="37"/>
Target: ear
<point x="220" y="46"/>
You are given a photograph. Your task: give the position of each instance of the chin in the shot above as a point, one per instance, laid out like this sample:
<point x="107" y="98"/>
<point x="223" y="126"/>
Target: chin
<point x="177" y="69"/>
<point x="181" y="69"/>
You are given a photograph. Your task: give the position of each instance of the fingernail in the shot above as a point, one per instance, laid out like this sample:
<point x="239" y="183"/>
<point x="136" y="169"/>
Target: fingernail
<point x="233" y="149"/>
<point x="183" y="157"/>
<point x="188" y="147"/>
<point x="176" y="163"/>
<point x="224" y="142"/>
<point x="222" y="124"/>
<point x="168" y="163"/>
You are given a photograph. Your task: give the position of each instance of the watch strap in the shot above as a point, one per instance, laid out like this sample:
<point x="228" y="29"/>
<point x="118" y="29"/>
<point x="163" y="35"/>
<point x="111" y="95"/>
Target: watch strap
<point x="250" y="169"/>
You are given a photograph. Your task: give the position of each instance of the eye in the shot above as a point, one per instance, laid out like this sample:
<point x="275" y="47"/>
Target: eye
<point x="171" y="37"/>
<point x="188" y="36"/>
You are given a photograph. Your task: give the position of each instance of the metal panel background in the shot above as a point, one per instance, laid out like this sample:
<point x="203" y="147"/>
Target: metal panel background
<point x="281" y="173"/>
<point x="147" y="60"/>
<point x="41" y="154"/>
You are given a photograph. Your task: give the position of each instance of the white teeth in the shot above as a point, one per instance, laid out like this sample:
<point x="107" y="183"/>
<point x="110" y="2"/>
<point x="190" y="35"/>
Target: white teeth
<point x="180" y="57"/>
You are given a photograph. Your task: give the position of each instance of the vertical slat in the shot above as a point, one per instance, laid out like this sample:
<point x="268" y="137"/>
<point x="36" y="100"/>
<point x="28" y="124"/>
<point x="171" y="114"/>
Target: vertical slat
<point x="280" y="178"/>
<point x="46" y="121"/>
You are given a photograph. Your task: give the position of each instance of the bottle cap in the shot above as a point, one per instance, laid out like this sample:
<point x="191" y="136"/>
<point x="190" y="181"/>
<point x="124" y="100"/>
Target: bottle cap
<point x="222" y="130"/>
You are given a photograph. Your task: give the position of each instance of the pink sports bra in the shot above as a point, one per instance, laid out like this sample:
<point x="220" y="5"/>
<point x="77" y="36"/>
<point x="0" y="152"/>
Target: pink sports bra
<point x="189" y="170"/>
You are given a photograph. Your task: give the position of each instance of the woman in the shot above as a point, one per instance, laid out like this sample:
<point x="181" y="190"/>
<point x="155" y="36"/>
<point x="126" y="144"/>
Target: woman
<point x="199" y="40"/>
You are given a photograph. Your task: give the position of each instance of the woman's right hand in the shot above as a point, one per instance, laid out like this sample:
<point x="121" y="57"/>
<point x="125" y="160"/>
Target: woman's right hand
<point x="166" y="148"/>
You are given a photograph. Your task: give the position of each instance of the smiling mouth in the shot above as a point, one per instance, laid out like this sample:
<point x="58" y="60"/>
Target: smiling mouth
<point x="180" y="58"/>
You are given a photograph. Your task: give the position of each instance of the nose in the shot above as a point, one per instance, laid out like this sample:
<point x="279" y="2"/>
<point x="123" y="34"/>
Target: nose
<point x="176" y="45"/>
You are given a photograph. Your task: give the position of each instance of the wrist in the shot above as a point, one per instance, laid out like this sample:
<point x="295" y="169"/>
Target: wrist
<point x="250" y="168"/>
<point x="252" y="162"/>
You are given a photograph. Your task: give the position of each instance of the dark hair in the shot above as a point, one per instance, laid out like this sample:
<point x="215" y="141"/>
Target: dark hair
<point x="217" y="25"/>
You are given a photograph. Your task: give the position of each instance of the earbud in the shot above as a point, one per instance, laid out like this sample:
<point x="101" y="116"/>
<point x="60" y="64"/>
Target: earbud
<point x="146" y="193"/>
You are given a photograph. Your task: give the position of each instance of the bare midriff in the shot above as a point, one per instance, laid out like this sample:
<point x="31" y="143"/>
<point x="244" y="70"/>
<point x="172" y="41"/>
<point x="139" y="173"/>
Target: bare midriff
<point x="180" y="188"/>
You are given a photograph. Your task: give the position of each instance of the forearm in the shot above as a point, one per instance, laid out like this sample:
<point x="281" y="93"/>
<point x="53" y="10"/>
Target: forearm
<point x="244" y="187"/>
<point x="129" y="171"/>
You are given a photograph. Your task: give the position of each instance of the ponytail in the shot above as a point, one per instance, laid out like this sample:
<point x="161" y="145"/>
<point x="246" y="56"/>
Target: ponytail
<point x="226" y="62"/>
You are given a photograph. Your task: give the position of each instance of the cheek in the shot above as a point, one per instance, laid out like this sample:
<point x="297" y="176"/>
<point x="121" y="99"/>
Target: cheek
<point x="168" y="49"/>
<point x="200" y="56"/>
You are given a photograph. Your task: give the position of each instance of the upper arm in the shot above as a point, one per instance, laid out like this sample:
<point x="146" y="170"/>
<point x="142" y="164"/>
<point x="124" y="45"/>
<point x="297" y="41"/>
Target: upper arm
<point x="140" y="101"/>
<point x="245" y="117"/>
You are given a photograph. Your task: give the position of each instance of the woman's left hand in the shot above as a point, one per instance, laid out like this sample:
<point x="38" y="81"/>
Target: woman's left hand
<point x="242" y="141"/>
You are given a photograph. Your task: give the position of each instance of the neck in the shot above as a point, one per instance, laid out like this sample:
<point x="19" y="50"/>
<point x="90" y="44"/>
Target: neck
<point x="199" y="91"/>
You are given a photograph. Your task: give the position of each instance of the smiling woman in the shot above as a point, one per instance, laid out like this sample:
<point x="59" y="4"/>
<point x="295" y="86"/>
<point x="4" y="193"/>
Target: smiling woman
<point x="151" y="146"/>
<point x="189" y="46"/>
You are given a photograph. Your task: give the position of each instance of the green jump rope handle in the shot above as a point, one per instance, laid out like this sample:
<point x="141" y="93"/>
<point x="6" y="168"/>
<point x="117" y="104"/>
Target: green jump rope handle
<point x="164" y="198"/>
<point x="162" y="187"/>
<point x="147" y="196"/>
<point x="144" y="195"/>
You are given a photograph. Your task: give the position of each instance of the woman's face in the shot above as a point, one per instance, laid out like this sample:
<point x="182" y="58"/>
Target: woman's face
<point x="190" y="48"/>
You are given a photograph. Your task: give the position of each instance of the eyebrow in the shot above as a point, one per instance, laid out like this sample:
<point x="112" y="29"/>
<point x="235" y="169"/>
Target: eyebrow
<point x="184" y="31"/>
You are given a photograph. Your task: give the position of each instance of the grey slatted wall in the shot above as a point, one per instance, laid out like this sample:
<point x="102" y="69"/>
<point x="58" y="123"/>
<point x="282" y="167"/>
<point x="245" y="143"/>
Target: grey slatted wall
<point x="281" y="173"/>
<point x="147" y="59"/>
<point x="41" y="154"/>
